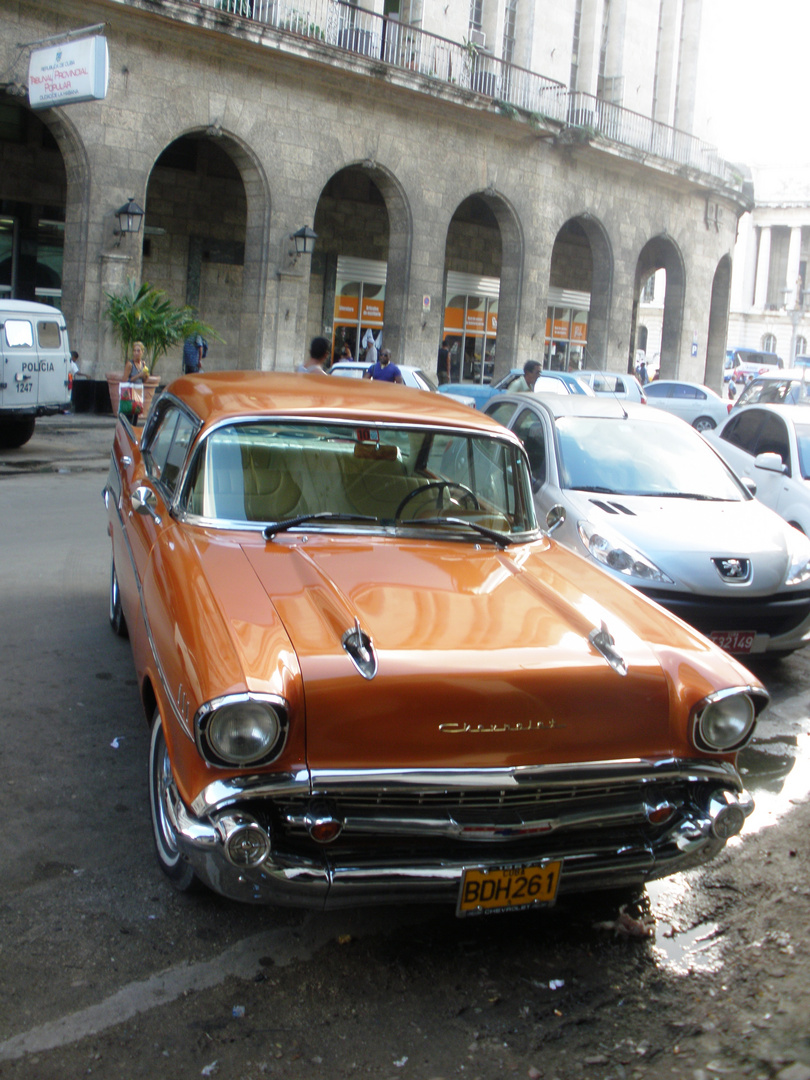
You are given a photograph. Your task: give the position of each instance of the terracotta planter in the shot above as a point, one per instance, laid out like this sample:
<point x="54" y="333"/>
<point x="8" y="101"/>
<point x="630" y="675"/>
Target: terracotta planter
<point x="150" y="385"/>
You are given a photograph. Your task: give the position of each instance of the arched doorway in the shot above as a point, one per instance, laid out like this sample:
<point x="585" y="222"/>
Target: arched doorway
<point x="483" y="267"/>
<point x="350" y="272"/>
<point x="660" y="254"/>
<point x="205" y="240"/>
<point x="580" y="284"/>
<point x="33" y="196"/>
<point x="718" y="324"/>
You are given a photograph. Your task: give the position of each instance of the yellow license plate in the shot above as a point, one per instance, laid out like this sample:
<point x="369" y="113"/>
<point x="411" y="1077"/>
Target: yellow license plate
<point x="507" y="887"/>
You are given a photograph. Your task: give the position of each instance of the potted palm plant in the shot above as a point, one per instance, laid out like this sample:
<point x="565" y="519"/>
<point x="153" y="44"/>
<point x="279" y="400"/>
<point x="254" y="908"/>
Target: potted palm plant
<point x="146" y="313"/>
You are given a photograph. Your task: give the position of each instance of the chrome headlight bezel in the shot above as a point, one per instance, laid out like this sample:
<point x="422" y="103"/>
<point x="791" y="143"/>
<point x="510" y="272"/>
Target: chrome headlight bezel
<point x="260" y="719"/>
<point x="724" y="721"/>
<point x="612" y="551"/>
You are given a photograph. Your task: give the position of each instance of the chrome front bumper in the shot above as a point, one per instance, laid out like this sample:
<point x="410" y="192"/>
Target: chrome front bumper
<point x="236" y="855"/>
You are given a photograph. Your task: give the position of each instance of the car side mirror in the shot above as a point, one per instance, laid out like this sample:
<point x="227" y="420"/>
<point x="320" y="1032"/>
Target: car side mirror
<point x="749" y="484"/>
<point x="769" y="462"/>
<point x="555" y="517"/>
<point x="144" y="501"/>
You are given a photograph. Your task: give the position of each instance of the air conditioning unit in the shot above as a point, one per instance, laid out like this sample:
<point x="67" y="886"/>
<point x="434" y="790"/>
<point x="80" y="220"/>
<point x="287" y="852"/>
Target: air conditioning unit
<point x="478" y="37"/>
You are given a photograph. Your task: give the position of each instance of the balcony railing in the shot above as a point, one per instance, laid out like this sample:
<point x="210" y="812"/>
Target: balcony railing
<point x="352" y="29"/>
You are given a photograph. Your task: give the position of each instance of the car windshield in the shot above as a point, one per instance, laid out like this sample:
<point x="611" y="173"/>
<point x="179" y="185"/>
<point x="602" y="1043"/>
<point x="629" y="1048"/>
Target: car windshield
<point x="635" y="457"/>
<point x="271" y="472"/>
<point x="775" y="392"/>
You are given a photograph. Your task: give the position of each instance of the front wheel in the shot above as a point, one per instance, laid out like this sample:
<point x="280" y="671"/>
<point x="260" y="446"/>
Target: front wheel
<point x="161" y="790"/>
<point x="704" y="423"/>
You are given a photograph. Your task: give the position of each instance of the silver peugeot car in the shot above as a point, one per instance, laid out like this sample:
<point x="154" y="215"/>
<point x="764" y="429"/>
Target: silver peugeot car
<point x="643" y="494"/>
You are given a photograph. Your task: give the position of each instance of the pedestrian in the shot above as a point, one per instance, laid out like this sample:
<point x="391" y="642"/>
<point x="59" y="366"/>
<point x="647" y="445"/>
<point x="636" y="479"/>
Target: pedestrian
<point x="371" y="349"/>
<point x="73" y="365"/>
<point x="194" y="350"/>
<point x="318" y="352"/>
<point x="524" y="384"/>
<point x="443" y="363"/>
<point x="346" y="352"/>
<point x="384" y="370"/>
<point x="131" y="387"/>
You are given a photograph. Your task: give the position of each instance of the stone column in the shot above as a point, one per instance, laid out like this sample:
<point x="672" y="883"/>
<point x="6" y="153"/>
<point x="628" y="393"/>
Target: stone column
<point x="792" y="285"/>
<point x="763" y="267"/>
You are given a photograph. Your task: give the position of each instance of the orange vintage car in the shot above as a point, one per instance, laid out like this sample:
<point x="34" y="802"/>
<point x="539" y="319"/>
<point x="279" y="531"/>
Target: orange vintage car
<point x="371" y="677"/>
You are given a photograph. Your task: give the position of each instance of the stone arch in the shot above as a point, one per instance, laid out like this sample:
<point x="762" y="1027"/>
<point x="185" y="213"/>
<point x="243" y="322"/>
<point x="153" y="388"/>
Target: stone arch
<point x="718" y="325"/>
<point x="26" y="178"/>
<point x="662" y="253"/>
<point x="362" y="213"/>
<point x="581" y="271"/>
<point x="208" y="202"/>
<point x="485" y="239"/>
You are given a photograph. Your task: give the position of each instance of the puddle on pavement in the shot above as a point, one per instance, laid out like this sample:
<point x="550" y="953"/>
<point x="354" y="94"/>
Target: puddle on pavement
<point x="776" y="770"/>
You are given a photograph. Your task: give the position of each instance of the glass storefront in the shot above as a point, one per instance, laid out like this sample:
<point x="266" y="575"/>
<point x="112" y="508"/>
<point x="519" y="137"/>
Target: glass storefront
<point x="359" y="305"/>
<point x="471" y="326"/>
<point x="566" y="331"/>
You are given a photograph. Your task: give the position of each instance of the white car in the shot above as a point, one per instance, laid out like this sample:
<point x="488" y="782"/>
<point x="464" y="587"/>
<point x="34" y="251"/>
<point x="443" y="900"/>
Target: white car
<point x="789" y="387"/>
<point x="616" y="384"/>
<point x="698" y="405"/>
<point x="411" y="376"/>
<point x="770" y="446"/>
<point x="650" y="501"/>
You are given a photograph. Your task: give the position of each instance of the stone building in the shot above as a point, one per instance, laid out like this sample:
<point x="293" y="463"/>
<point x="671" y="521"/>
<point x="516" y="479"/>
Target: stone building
<point x="507" y="174"/>
<point x="770" y="287"/>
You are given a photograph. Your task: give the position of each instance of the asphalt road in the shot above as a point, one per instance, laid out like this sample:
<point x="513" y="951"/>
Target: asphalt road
<point x="105" y="970"/>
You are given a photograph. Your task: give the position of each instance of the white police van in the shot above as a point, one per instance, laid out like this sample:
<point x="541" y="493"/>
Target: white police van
<point x="34" y="367"/>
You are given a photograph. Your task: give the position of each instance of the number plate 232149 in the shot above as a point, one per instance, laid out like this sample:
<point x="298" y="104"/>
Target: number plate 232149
<point x="506" y="888"/>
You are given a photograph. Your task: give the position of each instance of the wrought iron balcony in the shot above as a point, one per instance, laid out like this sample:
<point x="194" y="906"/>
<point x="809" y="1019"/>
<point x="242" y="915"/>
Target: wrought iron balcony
<point x="572" y="115"/>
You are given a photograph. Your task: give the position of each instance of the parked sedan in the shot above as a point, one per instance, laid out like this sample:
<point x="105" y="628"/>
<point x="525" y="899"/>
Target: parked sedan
<point x="785" y="388"/>
<point x="770" y="445"/>
<point x="617" y="385"/>
<point x="698" y="405"/>
<point x="411" y="376"/>
<point x="370" y="677"/>
<point x="649" y="500"/>
<point x="548" y="382"/>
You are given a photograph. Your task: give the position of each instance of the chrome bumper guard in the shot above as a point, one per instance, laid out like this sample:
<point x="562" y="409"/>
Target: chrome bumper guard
<point x="234" y="854"/>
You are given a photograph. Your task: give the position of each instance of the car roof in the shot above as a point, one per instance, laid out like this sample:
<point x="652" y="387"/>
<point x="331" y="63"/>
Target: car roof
<point x="574" y="405"/>
<point x="224" y="395"/>
<point x="798" y="414"/>
<point x="781" y="375"/>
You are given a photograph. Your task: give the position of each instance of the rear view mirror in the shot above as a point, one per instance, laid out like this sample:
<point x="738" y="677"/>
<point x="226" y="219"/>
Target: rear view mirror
<point x="770" y="462"/>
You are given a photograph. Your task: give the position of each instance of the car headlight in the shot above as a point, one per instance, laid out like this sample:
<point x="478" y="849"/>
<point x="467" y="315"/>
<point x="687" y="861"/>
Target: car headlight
<point x="725" y="721"/>
<point x="799" y="554"/>
<point x="613" y="551"/>
<point x="240" y="730"/>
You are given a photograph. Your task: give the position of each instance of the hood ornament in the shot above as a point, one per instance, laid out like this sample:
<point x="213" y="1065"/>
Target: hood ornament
<point x="360" y="650"/>
<point x="602" y="641"/>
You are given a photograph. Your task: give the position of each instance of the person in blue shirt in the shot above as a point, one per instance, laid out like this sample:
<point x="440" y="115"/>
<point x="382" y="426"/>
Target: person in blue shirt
<point x="384" y="370"/>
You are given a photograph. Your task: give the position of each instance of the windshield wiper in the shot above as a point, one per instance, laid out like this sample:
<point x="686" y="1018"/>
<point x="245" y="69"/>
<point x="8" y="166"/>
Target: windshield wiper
<point x="492" y="534"/>
<point x="596" y="488"/>
<point x="682" y="495"/>
<point x="275" y="527"/>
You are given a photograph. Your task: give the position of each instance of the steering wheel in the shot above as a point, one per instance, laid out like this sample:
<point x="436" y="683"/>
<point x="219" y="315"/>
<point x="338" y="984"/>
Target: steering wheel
<point x="440" y="486"/>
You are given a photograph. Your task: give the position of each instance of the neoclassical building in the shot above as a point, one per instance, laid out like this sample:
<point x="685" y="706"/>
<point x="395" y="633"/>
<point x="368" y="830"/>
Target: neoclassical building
<point x="506" y="174"/>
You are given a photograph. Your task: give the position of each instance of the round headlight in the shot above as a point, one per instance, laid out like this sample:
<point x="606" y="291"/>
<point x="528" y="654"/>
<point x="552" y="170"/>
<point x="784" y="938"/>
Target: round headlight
<point x="725" y="723"/>
<point x="243" y="732"/>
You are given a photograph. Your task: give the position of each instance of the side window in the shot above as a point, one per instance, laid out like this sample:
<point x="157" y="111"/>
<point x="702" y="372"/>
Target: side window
<point x="687" y="392"/>
<point x="743" y="431"/>
<point x="502" y="412"/>
<point x="157" y="452"/>
<point x="48" y="335"/>
<point x="183" y="434"/>
<point x="773" y="438"/>
<point x="657" y="390"/>
<point x="530" y="431"/>
<point x="19" y="334"/>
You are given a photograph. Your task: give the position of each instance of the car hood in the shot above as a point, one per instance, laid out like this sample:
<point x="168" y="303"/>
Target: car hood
<point x="683" y="536"/>
<point x="482" y="655"/>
